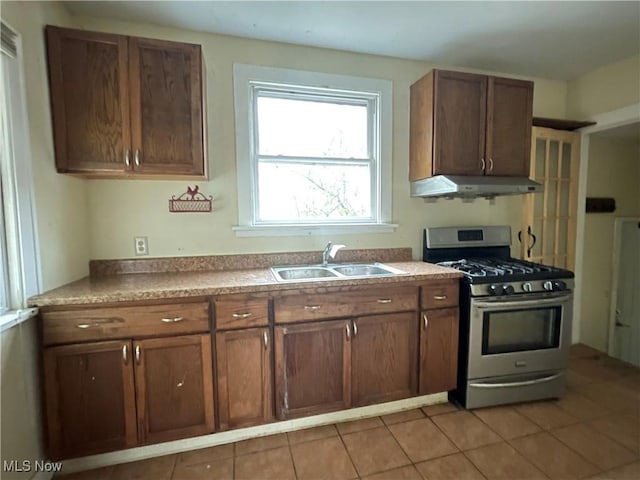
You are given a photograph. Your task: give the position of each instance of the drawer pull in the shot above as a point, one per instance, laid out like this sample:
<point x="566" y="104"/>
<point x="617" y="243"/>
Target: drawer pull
<point x="138" y="353"/>
<point x="426" y="320"/>
<point x="265" y="337"/>
<point x="312" y="307"/>
<point x="98" y="323"/>
<point x="125" y="355"/>
<point x="439" y="297"/>
<point x="173" y="320"/>
<point x="384" y="300"/>
<point x="241" y="315"/>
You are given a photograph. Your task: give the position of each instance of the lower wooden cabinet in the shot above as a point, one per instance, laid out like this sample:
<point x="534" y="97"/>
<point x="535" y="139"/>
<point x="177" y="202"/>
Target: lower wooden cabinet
<point x="94" y="405"/>
<point x="312" y="368"/>
<point x="174" y="387"/>
<point x="438" y="350"/>
<point x="383" y="358"/>
<point x="245" y="377"/>
<point x="90" y="404"/>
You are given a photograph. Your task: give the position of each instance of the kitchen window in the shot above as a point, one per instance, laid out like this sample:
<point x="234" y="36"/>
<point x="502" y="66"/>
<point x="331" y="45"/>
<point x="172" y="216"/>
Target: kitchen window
<point x="19" y="272"/>
<point x="313" y="152"/>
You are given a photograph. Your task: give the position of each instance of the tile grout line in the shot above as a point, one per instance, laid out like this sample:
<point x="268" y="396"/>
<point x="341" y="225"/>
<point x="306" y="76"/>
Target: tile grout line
<point x="353" y="464"/>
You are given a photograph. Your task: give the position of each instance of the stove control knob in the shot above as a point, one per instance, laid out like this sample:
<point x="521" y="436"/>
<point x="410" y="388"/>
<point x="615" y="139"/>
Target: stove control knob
<point x="494" y="290"/>
<point x="507" y="289"/>
<point x="559" y="285"/>
<point x="527" y="287"/>
<point x="548" y="286"/>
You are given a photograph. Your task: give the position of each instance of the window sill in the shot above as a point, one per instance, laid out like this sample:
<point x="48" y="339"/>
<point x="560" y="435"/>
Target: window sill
<point x="306" y="230"/>
<point x="14" y="317"/>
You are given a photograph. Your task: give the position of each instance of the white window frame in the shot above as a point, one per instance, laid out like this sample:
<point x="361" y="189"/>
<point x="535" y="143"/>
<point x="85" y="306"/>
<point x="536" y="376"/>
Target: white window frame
<point x="22" y="267"/>
<point x="249" y="79"/>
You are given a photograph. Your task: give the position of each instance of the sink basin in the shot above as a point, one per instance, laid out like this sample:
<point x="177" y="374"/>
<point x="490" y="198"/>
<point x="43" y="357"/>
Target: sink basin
<point x="302" y="273"/>
<point x="316" y="272"/>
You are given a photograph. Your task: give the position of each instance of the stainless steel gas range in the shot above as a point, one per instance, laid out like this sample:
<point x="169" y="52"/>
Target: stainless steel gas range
<point x="515" y="317"/>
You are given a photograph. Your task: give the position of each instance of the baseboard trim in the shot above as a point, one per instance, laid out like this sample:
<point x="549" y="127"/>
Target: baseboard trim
<point x="178" y="446"/>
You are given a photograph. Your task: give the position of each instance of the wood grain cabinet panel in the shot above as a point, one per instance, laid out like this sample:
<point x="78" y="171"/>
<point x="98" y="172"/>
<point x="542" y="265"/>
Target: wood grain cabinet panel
<point x="90" y="395"/>
<point x="312" y="368"/>
<point x="438" y="350"/>
<point x="126" y="106"/>
<point x="441" y="293"/>
<point x="384" y="358"/>
<point x="245" y="377"/>
<point x="241" y="311"/>
<point x="468" y="124"/>
<point x="88" y="75"/>
<point x="174" y="387"/>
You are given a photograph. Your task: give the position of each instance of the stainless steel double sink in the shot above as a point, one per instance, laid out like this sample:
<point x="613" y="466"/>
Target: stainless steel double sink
<point x="298" y="273"/>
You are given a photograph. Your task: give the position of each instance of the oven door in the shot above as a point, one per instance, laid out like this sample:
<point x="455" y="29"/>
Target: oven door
<point x="519" y="334"/>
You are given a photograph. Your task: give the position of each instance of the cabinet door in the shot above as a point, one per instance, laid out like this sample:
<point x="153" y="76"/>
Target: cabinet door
<point x="90" y="100"/>
<point x="459" y="123"/>
<point x="438" y="350"/>
<point x="384" y="358"/>
<point x="90" y="398"/>
<point x="244" y="377"/>
<point x="174" y="387"/>
<point x="166" y="107"/>
<point x="313" y="368"/>
<point x="509" y="119"/>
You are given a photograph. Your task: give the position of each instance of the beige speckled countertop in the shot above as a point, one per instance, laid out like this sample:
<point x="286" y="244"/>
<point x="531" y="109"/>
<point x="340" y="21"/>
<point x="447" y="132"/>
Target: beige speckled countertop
<point x="155" y="286"/>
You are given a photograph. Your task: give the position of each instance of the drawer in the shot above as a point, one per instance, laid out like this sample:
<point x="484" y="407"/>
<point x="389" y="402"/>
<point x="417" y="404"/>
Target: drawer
<point x="440" y="294"/>
<point x="241" y="311"/>
<point x="366" y="301"/>
<point x="71" y="326"/>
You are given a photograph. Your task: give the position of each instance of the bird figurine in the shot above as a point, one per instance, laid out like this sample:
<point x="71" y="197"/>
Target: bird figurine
<point x="192" y="191"/>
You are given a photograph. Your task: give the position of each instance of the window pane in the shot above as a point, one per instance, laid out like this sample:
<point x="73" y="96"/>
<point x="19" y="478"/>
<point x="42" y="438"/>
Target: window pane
<point x="303" y="128"/>
<point x="313" y="192"/>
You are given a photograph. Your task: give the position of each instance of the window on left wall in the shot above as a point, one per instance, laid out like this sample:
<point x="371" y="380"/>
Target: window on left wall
<point x="20" y="272"/>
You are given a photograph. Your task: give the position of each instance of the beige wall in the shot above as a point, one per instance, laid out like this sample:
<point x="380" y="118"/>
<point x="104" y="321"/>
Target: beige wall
<point x="119" y="210"/>
<point x="613" y="171"/>
<point x="62" y="221"/>
<point x="605" y="89"/>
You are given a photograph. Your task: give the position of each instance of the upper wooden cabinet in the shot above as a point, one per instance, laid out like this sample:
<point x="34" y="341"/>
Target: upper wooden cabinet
<point x="125" y="106"/>
<point x="467" y="124"/>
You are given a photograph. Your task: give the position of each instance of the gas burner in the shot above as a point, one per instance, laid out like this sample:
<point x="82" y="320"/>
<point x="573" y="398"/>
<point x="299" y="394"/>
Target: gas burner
<point x="498" y="268"/>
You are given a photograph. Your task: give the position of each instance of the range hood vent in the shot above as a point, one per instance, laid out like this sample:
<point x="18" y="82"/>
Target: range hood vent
<point x="461" y="186"/>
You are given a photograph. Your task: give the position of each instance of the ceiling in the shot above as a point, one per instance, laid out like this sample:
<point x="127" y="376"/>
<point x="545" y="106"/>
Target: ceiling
<point x="630" y="131"/>
<point x="553" y="39"/>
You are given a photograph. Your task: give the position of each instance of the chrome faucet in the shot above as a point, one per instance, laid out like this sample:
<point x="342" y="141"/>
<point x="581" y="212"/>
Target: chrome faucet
<point x="330" y="251"/>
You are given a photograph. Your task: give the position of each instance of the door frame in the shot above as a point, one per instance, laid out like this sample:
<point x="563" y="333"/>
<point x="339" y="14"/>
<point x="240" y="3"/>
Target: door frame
<point x="617" y="244"/>
<point x="604" y="121"/>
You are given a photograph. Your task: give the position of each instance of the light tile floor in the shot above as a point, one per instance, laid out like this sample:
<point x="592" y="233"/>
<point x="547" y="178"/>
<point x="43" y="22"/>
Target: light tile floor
<point x="593" y="432"/>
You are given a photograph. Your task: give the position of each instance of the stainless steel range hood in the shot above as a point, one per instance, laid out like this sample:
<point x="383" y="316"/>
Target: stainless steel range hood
<point x="458" y="186"/>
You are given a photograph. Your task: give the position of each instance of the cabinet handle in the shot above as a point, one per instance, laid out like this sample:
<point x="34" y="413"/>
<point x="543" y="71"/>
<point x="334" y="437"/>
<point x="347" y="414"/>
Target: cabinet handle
<point x="127" y="160"/>
<point x="125" y="354"/>
<point x="173" y="320"/>
<point x="384" y="300"/>
<point x="439" y="297"/>
<point x="348" y="331"/>
<point x="265" y="337"/>
<point x="138" y="352"/>
<point x="312" y="307"/>
<point x="491" y="164"/>
<point x="137" y="158"/>
<point x="355" y="329"/>
<point x="241" y="315"/>
<point x="482" y="164"/>
<point x="426" y="320"/>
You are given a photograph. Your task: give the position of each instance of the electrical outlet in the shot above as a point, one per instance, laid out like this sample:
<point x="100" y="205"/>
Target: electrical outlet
<point x="140" y="245"/>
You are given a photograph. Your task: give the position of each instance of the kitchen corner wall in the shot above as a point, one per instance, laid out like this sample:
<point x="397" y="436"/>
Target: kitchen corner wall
<point x="122" y="209"/>
<point x="62" y="223"/>
<point x="614" y="171"/>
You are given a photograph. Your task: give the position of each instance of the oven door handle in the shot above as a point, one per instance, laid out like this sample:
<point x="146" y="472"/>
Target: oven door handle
<point x="517" y="384"/>
<point x="521" y="303"/>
